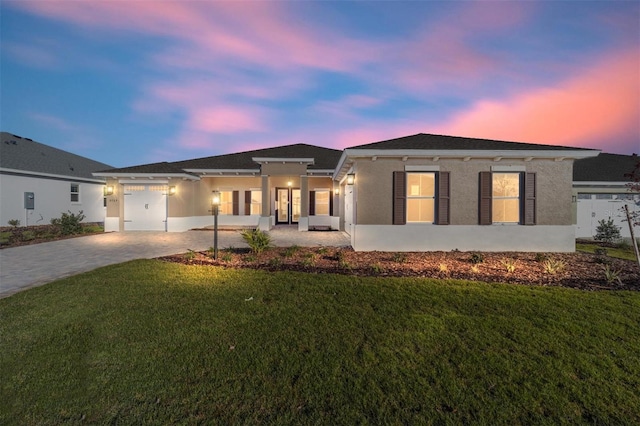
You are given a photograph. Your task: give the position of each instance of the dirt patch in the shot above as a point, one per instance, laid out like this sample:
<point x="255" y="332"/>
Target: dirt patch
<point x="573" y="270"/>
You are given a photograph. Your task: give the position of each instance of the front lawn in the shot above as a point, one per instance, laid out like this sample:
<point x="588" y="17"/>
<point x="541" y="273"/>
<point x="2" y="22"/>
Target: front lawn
<point x="150" y="342"/>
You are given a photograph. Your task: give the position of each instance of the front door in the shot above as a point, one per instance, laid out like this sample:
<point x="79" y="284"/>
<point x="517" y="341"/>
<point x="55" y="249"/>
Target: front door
<point x="287" y="205"/>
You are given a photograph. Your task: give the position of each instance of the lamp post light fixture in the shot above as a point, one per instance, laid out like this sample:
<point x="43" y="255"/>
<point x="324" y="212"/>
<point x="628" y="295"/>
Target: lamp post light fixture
<point x="172" y="190"/>
<point x="215" y="204"/>
<point x="351" y="178"/>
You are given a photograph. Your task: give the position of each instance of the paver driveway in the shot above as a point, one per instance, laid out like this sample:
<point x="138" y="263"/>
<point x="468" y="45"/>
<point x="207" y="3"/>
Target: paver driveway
<point x="30" y="266"/>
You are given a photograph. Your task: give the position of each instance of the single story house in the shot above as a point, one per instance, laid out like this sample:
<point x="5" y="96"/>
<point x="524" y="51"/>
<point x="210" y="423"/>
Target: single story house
<point x="600" y="191"/>
<point x="39" y="182"/>
<point x="416" y="193"/>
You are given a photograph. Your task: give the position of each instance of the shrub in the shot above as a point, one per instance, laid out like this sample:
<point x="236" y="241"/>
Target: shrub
<point x="443" y="267"/>
<point x="290" y="251"/>
<point x="509" y="264"/>
<point x="190" y="255"/>
<point x="611" y="275"/>
<point x="226" y="257"/>
<point x="607" y="231"/>
<point x="541" y="257"/>
<point x="475" y="268"/>
<point x="275" y="262"/>
<point x="69" y="223"/>
<point x="477" y="258"/>
<point x="14" y="222"/>
<point x="377" y="268"/>
<point x="257" y="240"/>
<point x="553" y="266"/>
<point x="399" y="257"/>
<point x="600" y="251"/>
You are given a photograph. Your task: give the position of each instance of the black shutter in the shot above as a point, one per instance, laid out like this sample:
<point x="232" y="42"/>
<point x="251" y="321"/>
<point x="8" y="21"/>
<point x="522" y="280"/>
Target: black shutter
<point x="443" y="198"/>
<point x="312" y="203"/>
<point x="485" y="212"/>
<point x="529" y="204"/>
<point x="236" y="203"/>
<point x="247" y="203"/>
<point x="331" y="204"/>
<point x="399" y="198"/>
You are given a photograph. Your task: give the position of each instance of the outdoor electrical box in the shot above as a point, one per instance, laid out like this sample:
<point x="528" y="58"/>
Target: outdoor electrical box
<point x="29" y="201"/>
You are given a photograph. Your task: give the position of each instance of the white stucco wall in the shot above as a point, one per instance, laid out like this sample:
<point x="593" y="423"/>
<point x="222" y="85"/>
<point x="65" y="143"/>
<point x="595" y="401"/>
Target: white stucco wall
<point x="52" y="198"/>
<point x="539" y="238"/>
<point x="181" y="224"/>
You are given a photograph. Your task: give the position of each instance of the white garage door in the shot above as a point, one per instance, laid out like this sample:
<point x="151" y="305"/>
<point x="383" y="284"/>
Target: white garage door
<point x="592" y="208"/>
<point x="145" y="207"/>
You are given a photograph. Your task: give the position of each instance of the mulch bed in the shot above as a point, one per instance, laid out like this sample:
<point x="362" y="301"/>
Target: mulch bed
<point x="579" y="271"/>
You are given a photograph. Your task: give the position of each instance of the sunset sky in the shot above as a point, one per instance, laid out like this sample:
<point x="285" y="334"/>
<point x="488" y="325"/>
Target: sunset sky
<point x="132" y="82"/>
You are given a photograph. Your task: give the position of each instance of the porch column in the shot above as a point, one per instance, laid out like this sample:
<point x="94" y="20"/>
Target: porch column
<point x="265" y="216"/>
<point x="303" y="223"/>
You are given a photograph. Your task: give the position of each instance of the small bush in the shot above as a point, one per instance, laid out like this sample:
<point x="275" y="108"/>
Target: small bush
<point x="475" y="268"/>
<point x="611" y="275"/>
<point x="69" y="223"/>
<point x="477" y="258"/>
<point x="14" y="222"/>
<point x="553" y="266"/>
<point x="275" y="262"/>
<point x="542" y="257"/>
<point x="257" y="240"/>
<point x="399" y="257"/>
<point x="443" y="267"/>
<point x="190" y="255"/>
<point x="509" y="264"/>
<point x="226" y="257"/>
<point x="377" y="268"/>
<point x="607" y="231"/>
<point x="28" y="235"/>
<point x="600" y="251"/>
<point x="343" y="264"/>
<point x="290" y="251"/>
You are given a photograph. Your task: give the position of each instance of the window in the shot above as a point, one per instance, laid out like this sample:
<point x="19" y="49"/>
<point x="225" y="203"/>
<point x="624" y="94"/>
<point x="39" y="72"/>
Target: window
<point x="421" y="193"/>
<point x="584" y="196"/>
<point x="253" y="202"/>
<point x="506" y="197"/>
<point x="226" y="202"/>
<point x="421" y="197"/>
<point x="322" y="202"/>
<point x="75" y="193"/>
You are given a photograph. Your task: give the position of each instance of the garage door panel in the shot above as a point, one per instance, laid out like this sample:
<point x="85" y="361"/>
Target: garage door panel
<point x="145" y="207"/>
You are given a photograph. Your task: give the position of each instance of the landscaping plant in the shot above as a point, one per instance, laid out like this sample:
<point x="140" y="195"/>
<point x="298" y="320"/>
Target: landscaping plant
<point x="257" y="240"/>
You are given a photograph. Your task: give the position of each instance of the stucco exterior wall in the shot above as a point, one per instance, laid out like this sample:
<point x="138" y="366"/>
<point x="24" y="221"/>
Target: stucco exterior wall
<point x="374" y="191"/>
<point x="286" y="169"/>
<point x="52" y="198"/>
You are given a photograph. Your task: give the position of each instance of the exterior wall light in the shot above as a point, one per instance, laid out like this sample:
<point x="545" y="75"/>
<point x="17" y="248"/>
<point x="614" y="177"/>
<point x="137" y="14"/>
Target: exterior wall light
<point x="351" y="178"/>
<point x="336" y="191"/>
<point x="289" y="183"/>
<point x="108" y="190"/>
<point x="172" y="190"/>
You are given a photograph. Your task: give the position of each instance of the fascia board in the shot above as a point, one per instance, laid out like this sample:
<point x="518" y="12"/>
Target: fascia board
<point x="27" y="173"/>
<point x="282" y="160"/>
<point x="337" y="170"/>
<point x="222" y="171"/>
<point x="476" y="153"/>
<point x="146" y="175"/>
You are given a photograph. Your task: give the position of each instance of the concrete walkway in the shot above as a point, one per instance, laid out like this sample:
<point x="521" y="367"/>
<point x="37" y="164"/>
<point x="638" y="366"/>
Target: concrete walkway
<point x="30" y="266"/>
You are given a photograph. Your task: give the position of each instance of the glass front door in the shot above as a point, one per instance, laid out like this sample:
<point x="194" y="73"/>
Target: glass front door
<point x="287" y="205"/>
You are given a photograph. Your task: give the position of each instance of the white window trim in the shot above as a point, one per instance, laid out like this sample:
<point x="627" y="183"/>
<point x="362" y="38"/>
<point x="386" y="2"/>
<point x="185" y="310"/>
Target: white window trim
<point x="408" y="197"/>
<point x="519" y="197"/>
<point x="328" y="204"/>
<point x="71" y="193"/>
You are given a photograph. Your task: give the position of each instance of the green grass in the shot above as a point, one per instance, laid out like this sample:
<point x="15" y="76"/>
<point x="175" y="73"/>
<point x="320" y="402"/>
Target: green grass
<point x="625" y="253"/>
<point x="151" y="342"/>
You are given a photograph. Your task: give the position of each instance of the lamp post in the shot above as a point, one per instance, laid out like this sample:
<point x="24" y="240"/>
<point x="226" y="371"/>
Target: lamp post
<point x="215" y="201"/>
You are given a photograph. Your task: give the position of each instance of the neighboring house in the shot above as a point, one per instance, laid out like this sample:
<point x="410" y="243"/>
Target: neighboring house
<point x="416" y="193"/>
<point x="39" y="182"/>
<point x="600" y="191"/>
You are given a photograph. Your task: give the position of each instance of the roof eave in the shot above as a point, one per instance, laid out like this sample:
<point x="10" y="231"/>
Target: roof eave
<point x="147" y="175"/>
